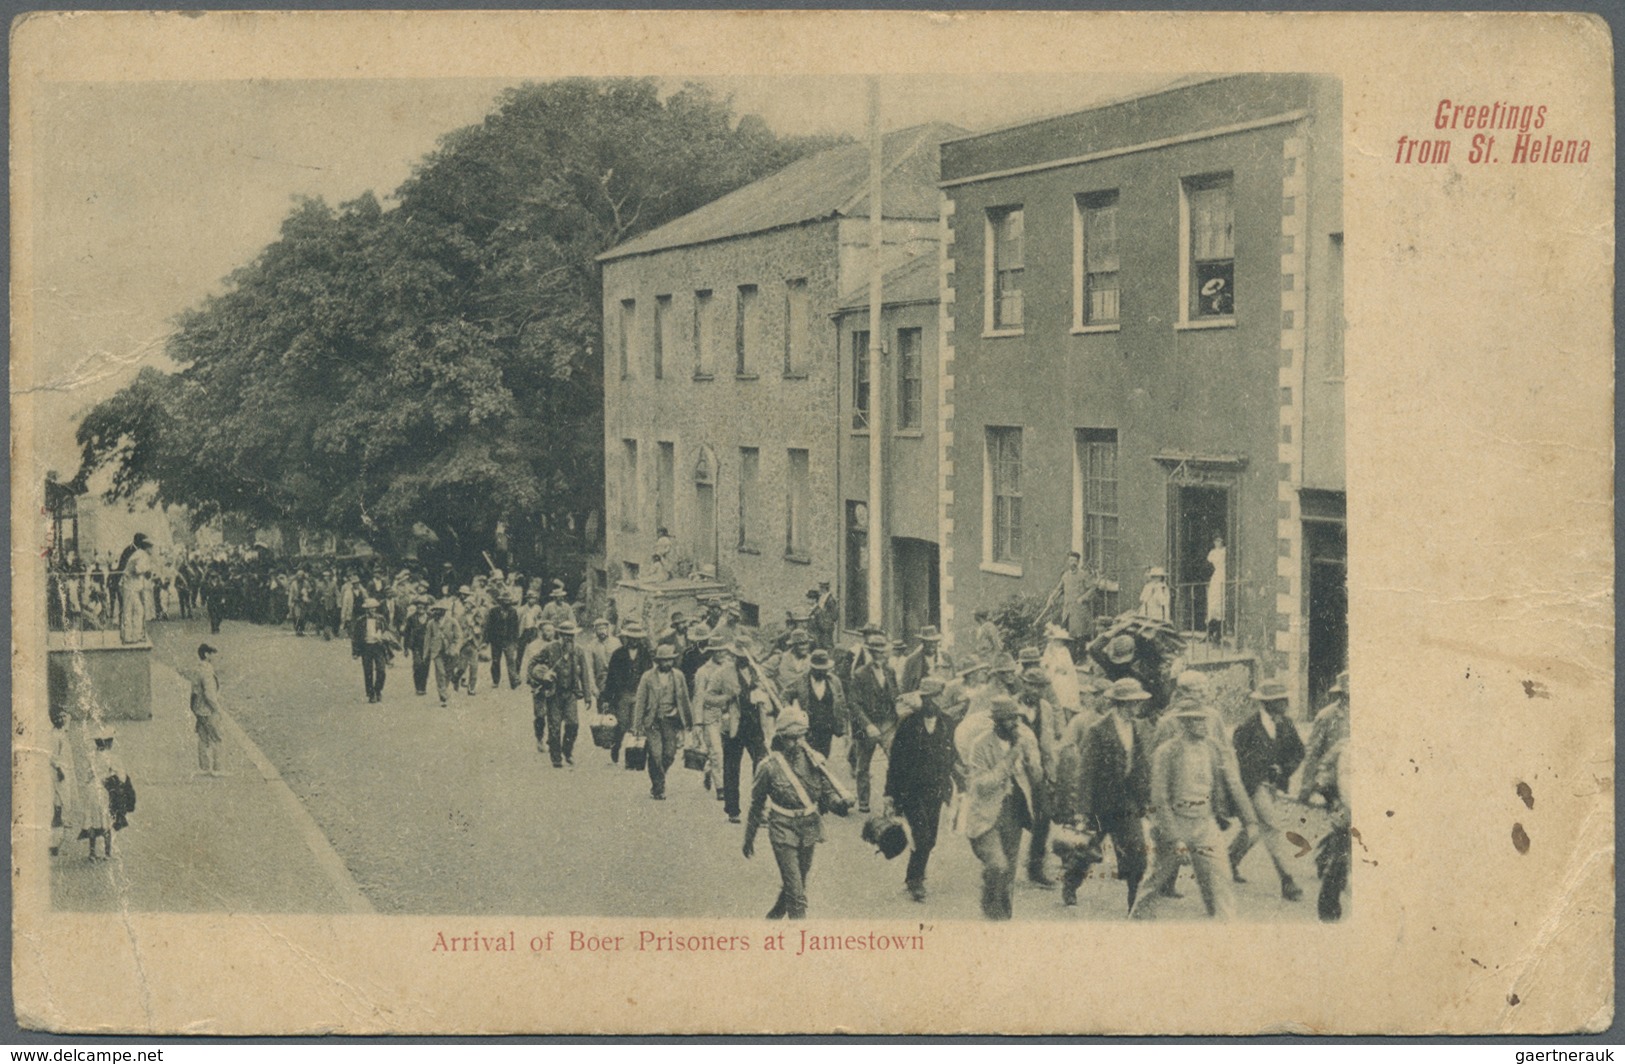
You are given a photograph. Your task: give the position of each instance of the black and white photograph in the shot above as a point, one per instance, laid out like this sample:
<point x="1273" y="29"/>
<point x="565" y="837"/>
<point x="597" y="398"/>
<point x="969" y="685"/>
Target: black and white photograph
<point x="949" y="518"/>
<point x="653" y="512"/>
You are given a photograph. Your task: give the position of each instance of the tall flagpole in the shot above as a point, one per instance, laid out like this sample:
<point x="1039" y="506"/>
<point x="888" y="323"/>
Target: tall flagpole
<point x="877" y="379"/>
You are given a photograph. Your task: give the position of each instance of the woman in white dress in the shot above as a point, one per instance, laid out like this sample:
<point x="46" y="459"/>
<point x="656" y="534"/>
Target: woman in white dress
<point x="1063" y="673"/>
<point x="1216" y="560"/>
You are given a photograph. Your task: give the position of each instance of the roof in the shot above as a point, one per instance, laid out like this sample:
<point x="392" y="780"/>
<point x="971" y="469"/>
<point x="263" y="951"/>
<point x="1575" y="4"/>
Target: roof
<point x="833" y="183"/>
<point x="915" y="281"/>
<point x="1193" y="108"/>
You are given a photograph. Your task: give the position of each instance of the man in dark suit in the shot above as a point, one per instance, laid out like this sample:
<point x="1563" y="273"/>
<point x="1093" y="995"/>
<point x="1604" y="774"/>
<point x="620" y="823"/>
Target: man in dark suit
<point x="919" y="779"/>
<point x="926" y="660"/>
<point x="873" y="698"/>
<point x="1114" y="790"/>
<point x="1269" y="751"/>
<point x="820" y="695"/>
<point x="626" y="668"/>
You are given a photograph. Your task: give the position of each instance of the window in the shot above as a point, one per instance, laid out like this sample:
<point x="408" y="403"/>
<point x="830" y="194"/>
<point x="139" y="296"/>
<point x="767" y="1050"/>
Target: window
<point x="1210" y="248"/>
<point x="797" y="495"/>
<point x="663" y="337"/>
<point x="860" y="381"/>
<point x="705" y="333"/>
<point x="665" y="484"/>
<point x="1002" y="480"/>
<point x="750" y="467"/>
<point x="1006" y="255"/>
<point x="1097" y="294"/>
<point x="908" y="380"/>
<point x="629" y="486"/>
<point x="797" y="316"/>
<point x="629" y="322"/>
<point x="1095" y="510"/>
<point x="747" y="329"/>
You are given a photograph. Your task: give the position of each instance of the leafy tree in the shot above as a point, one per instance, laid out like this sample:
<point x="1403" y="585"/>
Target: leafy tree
<point x="438" y="361"/>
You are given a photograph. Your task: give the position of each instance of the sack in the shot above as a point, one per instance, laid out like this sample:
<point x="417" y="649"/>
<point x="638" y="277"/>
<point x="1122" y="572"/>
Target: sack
<point x="603" y="731"/>
<point x="695" y="758"/>
<point x="635" y="753"/>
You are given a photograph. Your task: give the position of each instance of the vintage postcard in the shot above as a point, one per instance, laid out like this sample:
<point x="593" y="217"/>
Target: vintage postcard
<point x="805" y="522"/>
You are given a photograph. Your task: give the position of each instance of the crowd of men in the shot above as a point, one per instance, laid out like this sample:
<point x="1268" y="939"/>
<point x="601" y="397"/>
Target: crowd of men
<point x="1023" y="753"/>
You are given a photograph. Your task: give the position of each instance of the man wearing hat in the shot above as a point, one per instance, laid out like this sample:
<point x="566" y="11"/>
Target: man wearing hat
<point x="502" y="635"/>
<point x="716" y="695"/>
<point x="1002" y="768"/>
<point x="135" y="589"/>
<point x="1330" y="728"/>
<point x="820" y="694"/>
<point x="413" y="642"/>
<point x="1040" y="716"/>
<point x="746" y="727"/>
<point x="873" y="703"/>
<point x="572" y="677"/>
<point x="627" y="664"/>
<point x="557" y="610"/>
<point x="789" y="666"/>
<point x="821" y="616"/>
<point x="790" y="787"/>
<point x="600" y="648"/>
<point x="1190" y="782"/>
<point x="919" y="779"/>
<point x="441" y="639"/>
<point x="367" y="643"/>
<point x="1269" y="751"/>
<point x="464" y="610"/>
<point x="926" y="660"/>
<point x="661" y="716"/>
<point x="696" y="654"/>
<point x="1114" y="787"/>
<point x="1078" y="587"/>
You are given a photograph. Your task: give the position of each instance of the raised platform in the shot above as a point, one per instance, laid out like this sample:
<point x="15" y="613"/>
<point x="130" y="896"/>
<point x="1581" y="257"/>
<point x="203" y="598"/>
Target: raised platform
<point x="653" y="603"/>
<point x="94" y="674"/>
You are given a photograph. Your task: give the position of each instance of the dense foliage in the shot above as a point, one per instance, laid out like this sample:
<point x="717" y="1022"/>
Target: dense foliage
<point x="437" y="361"/>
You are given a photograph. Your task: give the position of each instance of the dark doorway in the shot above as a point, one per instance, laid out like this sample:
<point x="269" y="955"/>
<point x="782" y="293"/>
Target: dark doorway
<point x="1202" y="517"/>
<point x="914" y="568"/>
<point x="1326" y="548"/>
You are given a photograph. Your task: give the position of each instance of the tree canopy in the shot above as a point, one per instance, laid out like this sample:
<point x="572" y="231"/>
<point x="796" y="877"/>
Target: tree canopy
<point x="438" y="361"/>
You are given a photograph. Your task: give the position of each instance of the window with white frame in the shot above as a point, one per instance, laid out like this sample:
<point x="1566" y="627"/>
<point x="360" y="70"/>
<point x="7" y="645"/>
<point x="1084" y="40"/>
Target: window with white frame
<point x="1006" y="260"/>
<point x="1210" y="247"/>
<point x="1096" y="260"/>
<point x="860" y="380"/>
<point x="908" y="380"/>
<point x="1002" y="490"/>
<point x="1095" y="512"/>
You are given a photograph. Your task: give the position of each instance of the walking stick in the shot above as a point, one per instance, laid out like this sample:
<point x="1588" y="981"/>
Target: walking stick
<point x="767" y="686"/>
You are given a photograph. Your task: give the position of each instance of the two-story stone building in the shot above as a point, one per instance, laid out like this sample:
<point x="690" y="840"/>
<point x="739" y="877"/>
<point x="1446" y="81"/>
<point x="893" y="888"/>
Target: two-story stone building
<point x="1142" y="361"/>
<point x="723" y="369"/>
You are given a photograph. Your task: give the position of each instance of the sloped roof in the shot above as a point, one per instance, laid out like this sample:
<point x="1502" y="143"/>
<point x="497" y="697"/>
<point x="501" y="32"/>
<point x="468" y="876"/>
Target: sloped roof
<point x="832" y="183"/>
<point x="913" y="282"/>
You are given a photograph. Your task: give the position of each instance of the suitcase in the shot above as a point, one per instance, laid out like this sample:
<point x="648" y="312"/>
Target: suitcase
<point x="695" y="758"/>
<point x="603" y="731"/>
<point x="635" y="754"/>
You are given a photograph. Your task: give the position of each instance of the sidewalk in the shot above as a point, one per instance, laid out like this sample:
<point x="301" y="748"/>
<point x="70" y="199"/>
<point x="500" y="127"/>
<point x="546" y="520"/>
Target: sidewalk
<point x="241" y="843"/>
